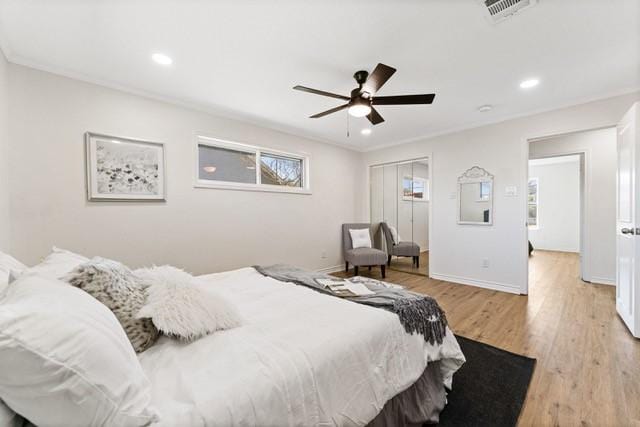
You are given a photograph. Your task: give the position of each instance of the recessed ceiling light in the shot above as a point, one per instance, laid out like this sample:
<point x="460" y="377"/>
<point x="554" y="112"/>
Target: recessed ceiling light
<point x="162" y="59"/>
<point x="366" y="131"/>
<point x="528" y="84"/>
<point x="485" y="108"/>
<point x="209" y="169"/>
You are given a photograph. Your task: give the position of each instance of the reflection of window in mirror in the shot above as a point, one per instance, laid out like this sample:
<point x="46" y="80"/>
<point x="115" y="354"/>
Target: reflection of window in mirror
<point x="485" y="191"/>
<point x="415" y="189"/>
<point x="532" y="204"/>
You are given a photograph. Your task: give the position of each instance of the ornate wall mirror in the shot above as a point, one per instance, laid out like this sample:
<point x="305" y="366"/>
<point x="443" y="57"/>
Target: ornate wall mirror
<point x="475" y="197"/>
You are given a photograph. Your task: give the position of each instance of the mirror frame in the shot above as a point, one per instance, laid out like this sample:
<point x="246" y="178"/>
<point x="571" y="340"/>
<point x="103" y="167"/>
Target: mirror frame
<point x="473" y="175"/>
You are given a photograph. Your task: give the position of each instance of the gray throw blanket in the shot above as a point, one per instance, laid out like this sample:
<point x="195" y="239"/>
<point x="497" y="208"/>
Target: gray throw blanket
<point x="418" y="313"/>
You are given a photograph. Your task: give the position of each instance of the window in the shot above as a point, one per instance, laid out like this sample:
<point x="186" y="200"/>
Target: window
<point x="415" y="188"/>
<point x="224" y="164"/>
<point x="278" y="170"/>
<point x="532" y="200"/>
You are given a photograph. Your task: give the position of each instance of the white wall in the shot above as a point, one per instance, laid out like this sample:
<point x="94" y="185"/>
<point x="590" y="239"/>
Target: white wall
<point x="558" y="205"/>
<point x="202" y="230"/>
<point x="600" y="170"/>
<point x="4" y="156"/>
<point x="457" y="251"/>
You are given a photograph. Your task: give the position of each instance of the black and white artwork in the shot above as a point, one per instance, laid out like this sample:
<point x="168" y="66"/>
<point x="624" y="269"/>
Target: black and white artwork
<point x="124" y="169"/>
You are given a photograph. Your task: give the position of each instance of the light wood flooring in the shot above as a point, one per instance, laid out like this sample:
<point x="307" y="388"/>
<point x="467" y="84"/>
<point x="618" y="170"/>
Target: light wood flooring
<point x="405" y="264"/>
<point x="588" y="364"/>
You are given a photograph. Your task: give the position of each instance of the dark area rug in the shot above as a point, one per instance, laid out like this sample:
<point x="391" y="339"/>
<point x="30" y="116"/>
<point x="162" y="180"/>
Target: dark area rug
<point x="489" y="389"/>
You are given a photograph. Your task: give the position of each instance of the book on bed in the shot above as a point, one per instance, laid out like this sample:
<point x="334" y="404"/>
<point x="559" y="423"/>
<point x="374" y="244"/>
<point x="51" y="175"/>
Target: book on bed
<point x="344" y="287"/>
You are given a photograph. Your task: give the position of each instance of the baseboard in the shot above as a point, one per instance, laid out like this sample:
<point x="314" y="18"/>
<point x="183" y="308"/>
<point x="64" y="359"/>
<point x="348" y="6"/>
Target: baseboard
<point x="485" y="284"/>
<point x="603" y="281"/>
<point x="332" y="269"/>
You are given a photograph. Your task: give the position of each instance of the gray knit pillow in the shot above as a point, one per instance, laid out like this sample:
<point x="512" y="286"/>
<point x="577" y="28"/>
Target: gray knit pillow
<point x="115" y="286"/>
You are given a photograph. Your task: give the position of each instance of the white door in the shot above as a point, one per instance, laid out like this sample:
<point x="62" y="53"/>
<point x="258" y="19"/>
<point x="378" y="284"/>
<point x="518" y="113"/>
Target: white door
<point x="628" y="221"/>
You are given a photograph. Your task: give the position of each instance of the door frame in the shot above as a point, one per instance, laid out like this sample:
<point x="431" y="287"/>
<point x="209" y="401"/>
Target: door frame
<point x="585" y="235"/>
<point x="429" y="158"/>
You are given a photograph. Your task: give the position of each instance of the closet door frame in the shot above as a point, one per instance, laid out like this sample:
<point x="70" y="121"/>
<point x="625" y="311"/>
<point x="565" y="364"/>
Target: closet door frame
<point x="428" y="157"/>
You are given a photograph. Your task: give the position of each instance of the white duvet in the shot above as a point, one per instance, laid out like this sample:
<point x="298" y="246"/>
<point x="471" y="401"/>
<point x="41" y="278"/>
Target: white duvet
<point x="301" y="358"/>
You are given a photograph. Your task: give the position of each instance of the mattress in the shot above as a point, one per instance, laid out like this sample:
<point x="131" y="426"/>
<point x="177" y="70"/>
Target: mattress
<point x="300" y="358"/>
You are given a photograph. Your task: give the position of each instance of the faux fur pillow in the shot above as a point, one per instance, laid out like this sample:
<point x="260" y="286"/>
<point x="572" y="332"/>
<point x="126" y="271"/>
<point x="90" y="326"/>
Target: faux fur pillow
<point x="115" y="286"/>
<point x="180" y="308"/>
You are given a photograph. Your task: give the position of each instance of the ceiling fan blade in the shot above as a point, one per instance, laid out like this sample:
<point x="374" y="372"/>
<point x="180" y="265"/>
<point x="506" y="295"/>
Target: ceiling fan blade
<point x="377" y="78"/>
<point x="326" y="113"/>
<point x="404" y="99"/>
<point x="375" y="117"/>
<point x="321" y="92"/>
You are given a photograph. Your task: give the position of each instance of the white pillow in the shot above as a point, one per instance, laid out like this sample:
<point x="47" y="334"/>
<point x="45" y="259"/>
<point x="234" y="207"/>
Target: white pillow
<point x="394" y="235"/>
<point x="66" y="360"/>
<point x="57" y="264"/>
<point x="7" y="265"/>
<point x="178" y="308"/>
<point x="360" y="238"/>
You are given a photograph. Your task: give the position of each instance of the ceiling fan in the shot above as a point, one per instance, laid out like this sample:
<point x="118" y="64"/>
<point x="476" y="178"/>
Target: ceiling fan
<point x="363" y="98"/>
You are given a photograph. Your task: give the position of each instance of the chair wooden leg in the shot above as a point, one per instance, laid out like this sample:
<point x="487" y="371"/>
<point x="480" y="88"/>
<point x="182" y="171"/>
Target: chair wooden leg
<point x="346" y="266"/>
<point x="418" y="261"/>
<point x="383" y="268"/>
<point x="355" y="270"/>
<point x="389" y="260"/>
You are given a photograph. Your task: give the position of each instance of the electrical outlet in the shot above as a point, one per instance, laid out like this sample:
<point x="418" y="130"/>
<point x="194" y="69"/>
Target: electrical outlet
<point x="323" y="255"/>
<point x="485" y="263"/>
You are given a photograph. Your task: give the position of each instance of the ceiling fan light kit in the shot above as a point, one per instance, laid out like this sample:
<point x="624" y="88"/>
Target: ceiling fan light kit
<point x="359" y="107"/>
<point x="363" y="98"/>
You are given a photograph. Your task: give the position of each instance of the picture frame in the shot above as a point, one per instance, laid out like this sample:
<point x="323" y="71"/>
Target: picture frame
<point x="124" y="169"/>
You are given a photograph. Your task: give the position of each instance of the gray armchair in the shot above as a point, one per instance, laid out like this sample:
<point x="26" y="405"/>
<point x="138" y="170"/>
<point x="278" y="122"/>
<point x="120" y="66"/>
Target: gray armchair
<point x="361" y="257"/>
<point x="406" y="249"/>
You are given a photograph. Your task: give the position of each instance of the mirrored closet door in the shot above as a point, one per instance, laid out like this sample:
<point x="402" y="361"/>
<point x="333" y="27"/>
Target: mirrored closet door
<point x="400" y="213"/>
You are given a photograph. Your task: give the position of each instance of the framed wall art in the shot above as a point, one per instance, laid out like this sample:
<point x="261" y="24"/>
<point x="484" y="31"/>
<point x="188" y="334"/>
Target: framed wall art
<point x="124" y="169"/>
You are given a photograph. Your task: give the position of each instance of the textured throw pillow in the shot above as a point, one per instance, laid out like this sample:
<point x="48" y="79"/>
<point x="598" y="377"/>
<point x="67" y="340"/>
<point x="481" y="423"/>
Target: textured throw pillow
<point x="360" y="238"/>
<point x="65" y="360"/>
<point x="114" y="285"/>
<point x="181" y="309"/>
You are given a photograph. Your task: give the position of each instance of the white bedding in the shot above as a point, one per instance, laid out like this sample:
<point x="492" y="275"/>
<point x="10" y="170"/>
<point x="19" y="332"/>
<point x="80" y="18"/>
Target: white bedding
<point x="301" y="358"/>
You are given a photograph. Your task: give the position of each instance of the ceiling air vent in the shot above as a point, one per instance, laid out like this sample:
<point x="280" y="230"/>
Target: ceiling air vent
<point x="499" y="10"/>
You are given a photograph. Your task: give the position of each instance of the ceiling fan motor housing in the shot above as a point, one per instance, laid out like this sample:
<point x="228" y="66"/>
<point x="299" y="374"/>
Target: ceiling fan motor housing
<point x="358" y="93"/>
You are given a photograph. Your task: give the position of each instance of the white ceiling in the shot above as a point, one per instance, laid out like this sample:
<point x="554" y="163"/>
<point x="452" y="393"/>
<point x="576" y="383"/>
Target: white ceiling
<point x="240" y="58"/>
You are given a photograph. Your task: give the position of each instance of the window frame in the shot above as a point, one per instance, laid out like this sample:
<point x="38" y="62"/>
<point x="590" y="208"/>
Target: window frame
<point x="536" y="203"/>
<point x="201" y="139"/>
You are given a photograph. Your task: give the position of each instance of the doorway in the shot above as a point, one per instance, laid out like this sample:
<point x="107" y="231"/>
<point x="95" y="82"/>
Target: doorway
<point x="555" y="207"/>
<point x="399" y="200"/>
<point x="595" y="215"/>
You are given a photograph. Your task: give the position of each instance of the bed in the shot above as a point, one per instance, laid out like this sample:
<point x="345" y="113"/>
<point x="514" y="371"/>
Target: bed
<point x="301" y="358"/>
